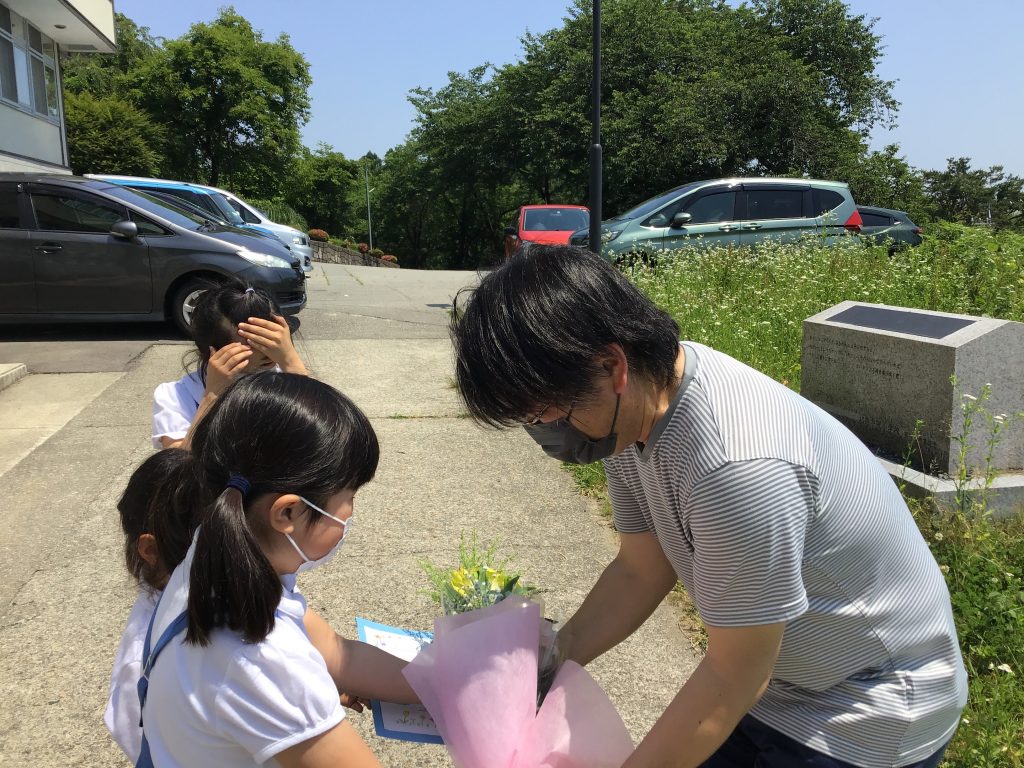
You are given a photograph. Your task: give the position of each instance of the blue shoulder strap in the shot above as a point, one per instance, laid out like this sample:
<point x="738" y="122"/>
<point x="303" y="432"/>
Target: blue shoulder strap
<point x="149" y="657"/>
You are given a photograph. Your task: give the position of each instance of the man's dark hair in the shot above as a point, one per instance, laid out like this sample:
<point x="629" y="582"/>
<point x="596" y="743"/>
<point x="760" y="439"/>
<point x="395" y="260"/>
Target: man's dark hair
<point x="527" y="337"/>
<point x="283" y="433"/>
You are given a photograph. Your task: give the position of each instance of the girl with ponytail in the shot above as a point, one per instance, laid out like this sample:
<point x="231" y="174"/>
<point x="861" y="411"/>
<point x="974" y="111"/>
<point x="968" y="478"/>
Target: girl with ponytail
<point x="235" y="669"/>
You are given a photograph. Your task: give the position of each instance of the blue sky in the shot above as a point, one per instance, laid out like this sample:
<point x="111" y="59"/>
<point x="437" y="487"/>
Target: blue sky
<point x="958" y="66"/>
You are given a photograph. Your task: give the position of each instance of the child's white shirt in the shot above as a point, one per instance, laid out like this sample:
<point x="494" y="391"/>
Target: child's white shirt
<point x="122" y="714"/>
<point x="232" y="703"/>
<point x="175" y="404"/>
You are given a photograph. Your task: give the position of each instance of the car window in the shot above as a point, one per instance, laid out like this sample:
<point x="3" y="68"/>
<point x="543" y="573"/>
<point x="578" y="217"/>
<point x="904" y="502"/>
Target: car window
<point x="874" y="220"/>
<point x="554" y="219"/>
<point x="247" y="216"/>
<point x="826" y="200"/>
<point x="146" y="227"/>
<point x="57" y="212"/>
<point x="710" y="208"/>
<point x="648" y="207"/>
<point x="9" y="218"/>
<point x="775" y="203"/>
<point x="155" y="206"/>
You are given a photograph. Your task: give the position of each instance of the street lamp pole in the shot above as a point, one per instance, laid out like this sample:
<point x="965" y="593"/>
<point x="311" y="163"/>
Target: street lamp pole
<point x="596" y="203"/>
<point x="369" y="219"/>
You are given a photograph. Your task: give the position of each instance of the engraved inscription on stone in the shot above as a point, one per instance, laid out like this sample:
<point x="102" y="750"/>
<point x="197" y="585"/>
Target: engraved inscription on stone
<point x="832" y="351"/>
<point x="901" y="321"/>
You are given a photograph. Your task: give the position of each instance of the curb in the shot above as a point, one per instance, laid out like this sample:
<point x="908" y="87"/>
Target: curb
<point x="10" y="373"/>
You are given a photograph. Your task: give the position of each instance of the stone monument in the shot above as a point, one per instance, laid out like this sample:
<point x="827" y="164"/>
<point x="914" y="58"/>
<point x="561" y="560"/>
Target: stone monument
<point x="880" y="369"/>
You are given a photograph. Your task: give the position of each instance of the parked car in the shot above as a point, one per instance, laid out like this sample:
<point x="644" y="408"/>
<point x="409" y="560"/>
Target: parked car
<point x="216" y="202"/>
<point x="547" y="224"/>
<point x="885" y="225"/>
<point x="729" y="212"/>
<point x="297" y="240"/>
<point x="73" y="248"/>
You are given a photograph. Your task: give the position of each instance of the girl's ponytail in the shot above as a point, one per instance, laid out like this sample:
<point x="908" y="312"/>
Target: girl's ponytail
<point x="231" y="583"/>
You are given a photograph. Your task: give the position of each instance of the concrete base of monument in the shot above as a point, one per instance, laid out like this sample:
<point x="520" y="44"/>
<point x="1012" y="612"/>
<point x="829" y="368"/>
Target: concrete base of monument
<point x="1005" y="492"/>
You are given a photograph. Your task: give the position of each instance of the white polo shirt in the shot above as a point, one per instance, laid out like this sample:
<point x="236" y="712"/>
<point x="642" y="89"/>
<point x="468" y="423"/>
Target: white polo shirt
<point x="175" y="404"/>
<point x="122" y="714"/>
<point x="233" y="703"/>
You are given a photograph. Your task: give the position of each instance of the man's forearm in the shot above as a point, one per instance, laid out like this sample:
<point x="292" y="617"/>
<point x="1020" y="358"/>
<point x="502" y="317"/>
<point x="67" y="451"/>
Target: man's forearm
<point x="726" y="684"/>
<point x="621" y="600"/>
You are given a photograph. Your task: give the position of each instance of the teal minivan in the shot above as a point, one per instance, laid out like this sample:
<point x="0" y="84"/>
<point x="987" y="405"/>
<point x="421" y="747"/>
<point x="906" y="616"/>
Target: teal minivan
<point x="729" y="212"/>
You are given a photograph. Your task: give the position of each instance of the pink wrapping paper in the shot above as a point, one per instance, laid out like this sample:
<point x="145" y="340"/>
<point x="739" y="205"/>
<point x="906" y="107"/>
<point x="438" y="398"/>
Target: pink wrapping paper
<point x="478" y="680"/>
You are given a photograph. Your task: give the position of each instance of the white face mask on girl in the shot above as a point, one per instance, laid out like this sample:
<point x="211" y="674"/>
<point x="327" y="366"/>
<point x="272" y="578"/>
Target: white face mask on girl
<point x="307" y="564"/>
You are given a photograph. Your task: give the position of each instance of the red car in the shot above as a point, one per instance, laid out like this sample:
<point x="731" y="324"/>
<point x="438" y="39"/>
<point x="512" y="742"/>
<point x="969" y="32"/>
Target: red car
<point x="547" y="224"/>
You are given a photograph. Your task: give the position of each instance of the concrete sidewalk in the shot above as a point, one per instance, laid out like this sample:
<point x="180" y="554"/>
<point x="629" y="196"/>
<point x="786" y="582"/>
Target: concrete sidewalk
<point x="64" y="594"/>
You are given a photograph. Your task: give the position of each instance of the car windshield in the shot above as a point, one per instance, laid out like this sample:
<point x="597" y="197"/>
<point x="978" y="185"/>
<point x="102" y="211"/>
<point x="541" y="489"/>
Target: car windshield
<point x="158" y="207"/>
<point x="229" y="214"/>
<point x="185" y="206"/>
<point x="650" y="206"/>
<point x="555" y="219"/>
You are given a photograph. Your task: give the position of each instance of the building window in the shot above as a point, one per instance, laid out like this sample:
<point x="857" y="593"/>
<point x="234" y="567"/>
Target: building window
<point x="28" y="66"/>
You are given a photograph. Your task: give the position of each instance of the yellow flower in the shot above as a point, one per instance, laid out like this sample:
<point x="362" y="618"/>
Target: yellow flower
<point x="461" y="582"/>
<point x="495" y="580"/>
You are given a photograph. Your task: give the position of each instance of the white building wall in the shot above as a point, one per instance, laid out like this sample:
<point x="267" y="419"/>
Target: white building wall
<point x="26" y="135"/>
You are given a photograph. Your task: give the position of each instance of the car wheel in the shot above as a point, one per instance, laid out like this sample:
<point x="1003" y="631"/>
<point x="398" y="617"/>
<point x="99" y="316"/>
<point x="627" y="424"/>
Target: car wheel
<point x="183" y="303"/>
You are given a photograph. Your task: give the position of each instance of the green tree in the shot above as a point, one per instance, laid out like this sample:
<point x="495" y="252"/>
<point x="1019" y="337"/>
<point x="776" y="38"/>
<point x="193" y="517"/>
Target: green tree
<point x="233" y="101"/>
<point x="976" y="196"/>
<point x="325" y="188"/>
<point x="93" y="122"/>
<point x="116" y="73"/>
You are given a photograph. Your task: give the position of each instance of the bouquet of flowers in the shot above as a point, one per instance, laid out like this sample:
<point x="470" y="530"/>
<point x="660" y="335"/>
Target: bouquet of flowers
<point x="479" y="678"/>
<point x="479" y="580"/>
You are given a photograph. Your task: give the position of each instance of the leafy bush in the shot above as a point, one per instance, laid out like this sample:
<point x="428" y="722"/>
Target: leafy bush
<point x="389" y="257"/>
<point x="363" y="248"/>
<point x="278" y="211"/>
<point x="92" y="120"/>
<point x="376" y="252"/>
<point x="319" y="234"/>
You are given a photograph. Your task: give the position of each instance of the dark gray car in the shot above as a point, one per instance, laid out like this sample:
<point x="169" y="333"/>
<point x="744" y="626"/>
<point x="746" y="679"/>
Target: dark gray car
<point x="885" y="225"/>
<point x="81" y="249"/>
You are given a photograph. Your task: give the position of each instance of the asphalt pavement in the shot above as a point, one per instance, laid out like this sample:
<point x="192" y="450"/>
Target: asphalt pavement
<point x="380" y="335"/>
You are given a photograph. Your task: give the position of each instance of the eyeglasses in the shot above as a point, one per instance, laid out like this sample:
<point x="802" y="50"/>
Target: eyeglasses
<point x="535" y="420"/>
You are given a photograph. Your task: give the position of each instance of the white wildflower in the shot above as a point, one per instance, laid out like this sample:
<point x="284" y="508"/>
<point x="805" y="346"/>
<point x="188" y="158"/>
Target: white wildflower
<point x="1005" y="668"/>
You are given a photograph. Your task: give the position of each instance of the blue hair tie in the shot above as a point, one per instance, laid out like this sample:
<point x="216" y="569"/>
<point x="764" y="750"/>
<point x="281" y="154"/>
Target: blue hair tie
<point x="240" y="484"/>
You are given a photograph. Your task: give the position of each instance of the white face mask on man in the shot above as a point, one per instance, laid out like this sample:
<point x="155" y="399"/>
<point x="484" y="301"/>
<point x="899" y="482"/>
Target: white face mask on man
<point x="307" y="564"/>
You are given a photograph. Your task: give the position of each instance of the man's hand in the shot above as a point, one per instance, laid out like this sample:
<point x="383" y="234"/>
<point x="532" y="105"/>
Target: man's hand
<point x="225" y="365"/>
<point x="274" y="339"/>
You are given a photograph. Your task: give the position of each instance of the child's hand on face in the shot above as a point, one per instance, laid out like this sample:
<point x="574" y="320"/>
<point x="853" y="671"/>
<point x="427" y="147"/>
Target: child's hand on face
<point x="274" y="339"/>
<point x="225" y="364"/>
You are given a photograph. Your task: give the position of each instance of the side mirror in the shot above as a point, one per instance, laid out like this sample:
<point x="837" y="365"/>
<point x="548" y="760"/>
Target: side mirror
<point x="680" y="220"/>
<point x="511" y="232"/>
<point x="126" y="230"/>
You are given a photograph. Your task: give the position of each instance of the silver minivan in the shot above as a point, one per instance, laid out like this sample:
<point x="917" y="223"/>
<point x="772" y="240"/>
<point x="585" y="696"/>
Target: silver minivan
<point x="729" y="212"/>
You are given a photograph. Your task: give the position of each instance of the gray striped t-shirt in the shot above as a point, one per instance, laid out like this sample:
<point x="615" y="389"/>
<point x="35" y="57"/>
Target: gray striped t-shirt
<point x="771" y="511"/>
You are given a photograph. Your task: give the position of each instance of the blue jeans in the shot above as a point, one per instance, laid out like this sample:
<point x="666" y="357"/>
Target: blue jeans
<point x="754" y="745"/>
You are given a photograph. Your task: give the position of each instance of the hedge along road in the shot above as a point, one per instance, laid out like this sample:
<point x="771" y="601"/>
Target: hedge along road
<point x="379" y="335"/>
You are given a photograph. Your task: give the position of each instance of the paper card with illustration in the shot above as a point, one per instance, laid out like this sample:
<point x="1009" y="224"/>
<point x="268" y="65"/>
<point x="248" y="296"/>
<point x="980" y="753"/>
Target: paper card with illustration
<point x="408" y="722"/>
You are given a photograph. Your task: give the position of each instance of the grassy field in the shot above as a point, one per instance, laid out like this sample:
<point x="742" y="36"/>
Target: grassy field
<point x="751" y="305"/>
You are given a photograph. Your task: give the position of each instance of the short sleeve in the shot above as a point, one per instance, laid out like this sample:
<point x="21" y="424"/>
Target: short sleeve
<point x="629" y="511"/>
<point x="172" y="412"/>
<point x="273" y="698"/>
<point x="748" y="521"/>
